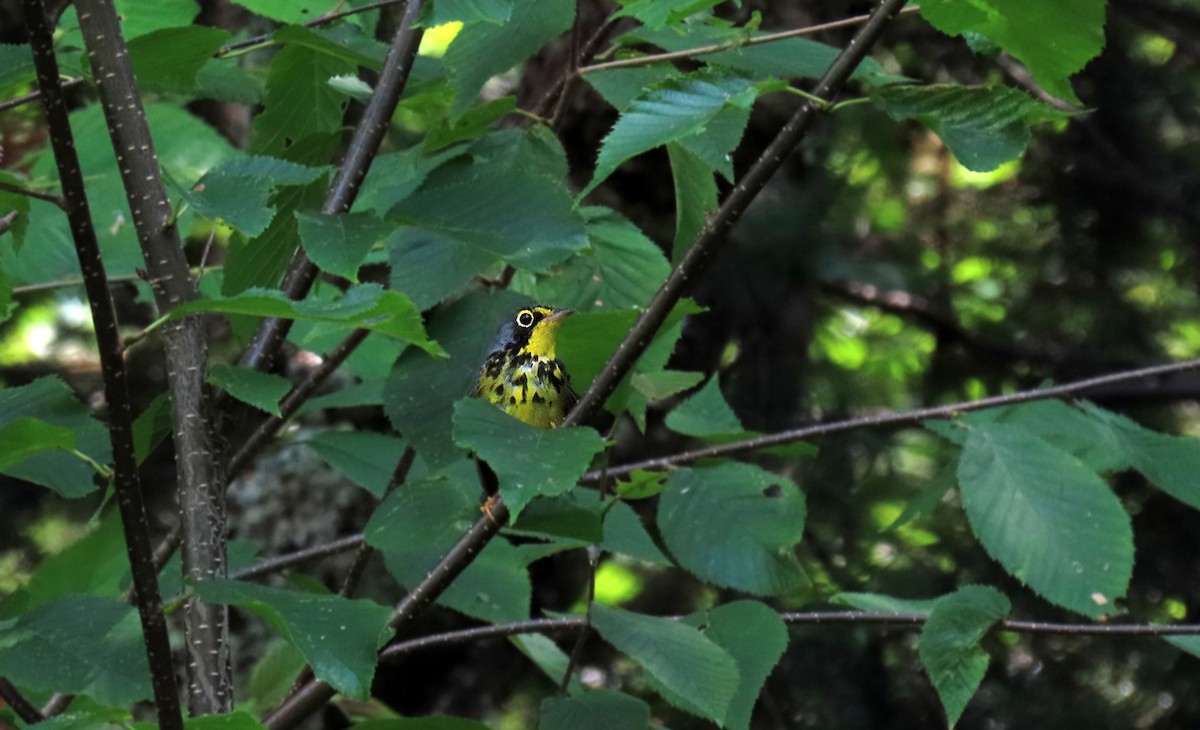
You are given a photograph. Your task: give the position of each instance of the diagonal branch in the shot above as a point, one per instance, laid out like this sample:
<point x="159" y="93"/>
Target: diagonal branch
<point x="716" y="228"/>
<point x="19" y="704"/>
<point x="200" y="474"/>
<point x="116" y="386"/>
<point x="894" y="419"/>
<point x="364" y="145"/>
<point x="30" y="193"/>
<point x="309" y="696"/>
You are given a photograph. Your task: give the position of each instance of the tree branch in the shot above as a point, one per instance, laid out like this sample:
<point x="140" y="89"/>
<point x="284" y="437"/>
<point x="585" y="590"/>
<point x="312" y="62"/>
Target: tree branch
<point x="368" y="135"/>
<point x="654" y="58"/>
<point x="893" y="419"/>
<point x="283" y="562"/>
<point x="199" y="466"/>
<point x="713" y="234"/>
<point x="396" y="651"/>
<point x="126" y="483"/>
<point x="49" y="198"/>
<point x="23" y="707"/>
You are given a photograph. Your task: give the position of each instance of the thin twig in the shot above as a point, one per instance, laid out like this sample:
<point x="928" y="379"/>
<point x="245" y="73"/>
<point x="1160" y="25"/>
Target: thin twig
<point x="893" y="419"/>
<point x="717" y="226"/>
<point x="78" y="281"/>
<point x="364" y="145"/>
<point x="654" y="58"/>
<point x="325" y="19"/>
<point x="553" y="626"/>
<point x="365" y="551"/>
<point x="125" y="479"/>
<point x="23" y="707"/>
<point x="16" y="101"/>
<point x="27" y="192"/>
<point x="287" y="560"/>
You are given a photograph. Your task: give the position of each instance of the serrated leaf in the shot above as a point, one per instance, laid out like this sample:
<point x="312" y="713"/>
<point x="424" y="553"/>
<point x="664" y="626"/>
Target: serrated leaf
<point x="152" y="426"/>
<point x="620" y="268"/>
<point x="694" y="515"/>
<point x="170" y="58"/>
<point x="415" y="526"/>
<point x="1047" y="518"/>
<point x="1054" y="40"/>
<point x="394" y="176"/>
<point x="299" y="102"/>
<point x="483" y="50"/>
<point x="566" y="517"/>
<point x="365" y="458"/>
<point x="642" y="484"/>
<point x="1080" y="434"/>
<point x="620" y="86"/>
<point x="339" y="637"/>
<point x="949" y="646"/>
<point x="657" y="386"/>
<point x="285" y="11"/>
<point x="984" y="126"/>
<point x="261" y="390"/>
<point x="1171" y="463"/>
<point x="471" y="124"/>
<point x="238" y="191"/>
<point x="16" y="63"/>
<point x="366" y="306"/>
<point x="274" y="673"/>
<point x="139" y="17"/>
<point x="344" y="41"/>
<point x="682" y="660"/>
<point x="530" y="462"/>
<point x="51" y="402"/>
<point x="599" y="709"/>
<point x="352" y="86"/>
<point x="695" y="197"/>
<point x="658" y="14"/>
<point x="522" y="215"/>
<point x="672" y="110"/>
<point x="756" y="637"/>
<point x="338" y="243"/>
<point x="80" y="645"/>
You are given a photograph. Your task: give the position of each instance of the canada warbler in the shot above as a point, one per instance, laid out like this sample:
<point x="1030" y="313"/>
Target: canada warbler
<point x="523" y="375"/>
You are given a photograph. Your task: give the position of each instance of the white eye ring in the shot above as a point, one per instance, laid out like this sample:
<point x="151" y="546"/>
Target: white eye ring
<point x="525" y="318"/>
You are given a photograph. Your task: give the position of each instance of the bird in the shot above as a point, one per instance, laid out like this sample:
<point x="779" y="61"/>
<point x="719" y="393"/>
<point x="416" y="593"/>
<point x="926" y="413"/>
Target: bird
<point x="522" y="374"/>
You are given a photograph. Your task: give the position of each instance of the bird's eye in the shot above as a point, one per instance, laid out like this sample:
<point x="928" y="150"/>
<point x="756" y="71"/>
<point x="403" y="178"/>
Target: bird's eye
<point x="525" y="318"/>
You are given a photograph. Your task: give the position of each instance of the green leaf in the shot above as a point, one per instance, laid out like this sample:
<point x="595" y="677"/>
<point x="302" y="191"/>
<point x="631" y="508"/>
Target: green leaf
<point x="50" y="401"/>
<point x="20" y="204"/>
<point x="694" y="515"/>
<point x="365" y="458"/>
<point x="286" y="11"/>
<point x="16" y="63"/>
<point x="139" y="17"/>
<point x="240" y="720"/>
<point x="552" y="661"/>
<point x="522" y="215"/>
<point x="394" y="176"/>
<point x="152" y="426"/>
<point x="420" y="391"/>
<point x="642" y="485"/>
<point x="78" y="645"/>
<point x="339" y="637"/>
<point x="876" y="603"/>
<point x="483" y="50"/>
<point x="339" y="243"/>
<point x="705" y="414"/>
<point x="658" y="14"/>
<point x="929" y="498"/>
<point x="570" y="516"/>
<point x="95" y="564"/>
<point x="274" y="674"/>
<point x="756" y="637"/>
<point x="366" y="306"/>
<point x="261" y="390"/>
<point x="721" y="136"/>
<point x="672" y="110"/>
<point x="1190" y="644"/>
<point x="299" y="102"/>
<point x="238" y="191"/>
<point x="625" y="534"/>
<point x="530" y="462"/>
<point x="1047" y="518"/>
<point x="471" y="124"/>
<point x="26" y="437"/>
<point x="949" y="645"/>
<point x="620" y="268"/>
<point x="683" y="661"/>
<point x="695" y="197"/>
<point x="169" y="58"/>
<point x="1054" y="40"/>
<point x="1087" y="436"/>
<point x="599" y="709"/>
<point x="620" y="86"/>
<point x="984" y="126"/>
<point x="471" y="11"/>
<point x="345" y="42"/>
<point x="415" y="526"/>
<point x="657" y="386"/>
<point x="430" y="267"/>
<point x="86" y="714"/>
<point x="1170" y="462"/>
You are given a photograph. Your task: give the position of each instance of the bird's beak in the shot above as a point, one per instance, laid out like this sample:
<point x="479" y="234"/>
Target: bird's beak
<point x="559" y="315"/>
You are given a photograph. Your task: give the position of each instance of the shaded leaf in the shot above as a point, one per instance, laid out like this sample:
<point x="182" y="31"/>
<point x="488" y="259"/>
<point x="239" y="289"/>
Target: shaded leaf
<point x="695" y="197"/>
<point x="599" y="709"/>
<point x="625" y="534"/>
<point x="694" y="516"/>
<point x="949" y="646"/>
<point x="1171" y="463"/>
<point x="26" y="437"/>
<point x="170" y="58"/>
<point x="429" y="266"/>
<point x="51" y="402"/>
<point x="756" y="637"/>
<point x="339" y="243"/>
<point x="339" y="637"/>
<point x="876" y="603"/>
<point x="705" y="413"/>
<point x="261" y="390"/>
<point x="365" y="458"/>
